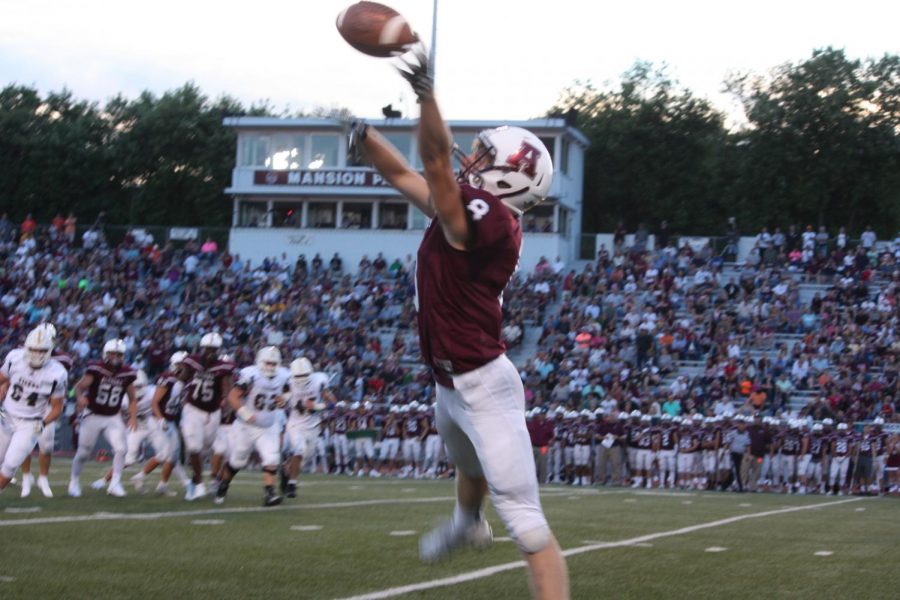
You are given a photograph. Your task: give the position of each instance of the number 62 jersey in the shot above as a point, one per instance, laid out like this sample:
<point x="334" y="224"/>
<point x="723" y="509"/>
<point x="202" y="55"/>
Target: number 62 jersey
<point x="30" y="389"/>
<point x="261" y="391"/>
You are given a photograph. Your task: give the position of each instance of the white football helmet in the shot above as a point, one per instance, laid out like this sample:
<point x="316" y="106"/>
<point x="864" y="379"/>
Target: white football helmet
<point x="268" y="359"/>
<point x="842" y="427"/>
<point x="177" y="359"/>
<point x="39" y="346"/>
<point x="211" y="340"/>
<point x="140" y="382"/>
<point x="511" y="164"/>
<point x="301" y="370"/>
<point x="116" y="346"/>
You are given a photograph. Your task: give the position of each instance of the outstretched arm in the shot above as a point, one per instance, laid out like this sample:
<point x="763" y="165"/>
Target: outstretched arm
<point x="388" y="161"/>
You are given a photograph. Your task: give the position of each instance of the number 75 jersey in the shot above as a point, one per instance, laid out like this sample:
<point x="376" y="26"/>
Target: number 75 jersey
<point x="30" y="390"/>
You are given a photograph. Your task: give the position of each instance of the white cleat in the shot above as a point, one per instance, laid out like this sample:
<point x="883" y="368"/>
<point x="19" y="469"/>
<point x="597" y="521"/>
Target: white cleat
<point x="116" y="490"/>
<point x="74" y="489"/>
<point x="44" y="486"/>
<point x="27" y="482"/>
<point x="98" y="484"/>
<point x="447" y="537"/>
<point x="137" y="480"/>
<point x="163" y="490"/>
<point x="196" y="492"/>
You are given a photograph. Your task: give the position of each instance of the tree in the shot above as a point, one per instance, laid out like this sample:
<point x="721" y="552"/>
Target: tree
<point x="822" y="143"/>
<point x="653" y="153"/>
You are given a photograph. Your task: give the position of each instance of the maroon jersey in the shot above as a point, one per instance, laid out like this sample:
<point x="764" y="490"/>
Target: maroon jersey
<point x="458" y="292"/>
<point x="842" y="445"/>
<point x="645" y="438"/>
<point x="431" y="425"/>
<point x="391" y="428"/>
<point x="815" y="446"/>
<point x="867" y="444"/>
<point x="790" y="444"/>
<point x="62" y="358"/>
<point x="412" y="427"/>
<point x="361" y="422"/>
<point x="686" y="441"/>
<point x="584" y="432"/>
<point x="880" y="443"/>
<point x="205" y="389"/>
<point x="633" y="434"/>
<point x="340" y="423"/>
<point x="170" y="403"/>
<point x="108" y="385"/>
<point x="667" y="438"/>
<point x="709" y="438"/>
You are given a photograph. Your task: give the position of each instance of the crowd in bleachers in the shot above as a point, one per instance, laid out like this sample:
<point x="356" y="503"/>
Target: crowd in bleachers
<point x="676" y="332"/>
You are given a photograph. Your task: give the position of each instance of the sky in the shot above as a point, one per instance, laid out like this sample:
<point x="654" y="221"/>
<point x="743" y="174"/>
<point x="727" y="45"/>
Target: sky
<point x="496" y="59"/>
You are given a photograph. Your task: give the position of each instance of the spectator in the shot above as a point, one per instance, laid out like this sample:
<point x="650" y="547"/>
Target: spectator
<point x="28" y="227"/>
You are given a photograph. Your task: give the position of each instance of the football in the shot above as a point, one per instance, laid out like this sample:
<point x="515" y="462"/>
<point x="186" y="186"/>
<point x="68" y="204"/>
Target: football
<point x="375" y="29"/>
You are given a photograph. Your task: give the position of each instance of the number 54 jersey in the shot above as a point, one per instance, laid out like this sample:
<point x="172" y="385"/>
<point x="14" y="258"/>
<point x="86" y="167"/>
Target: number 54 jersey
<point x="30" y="389"/>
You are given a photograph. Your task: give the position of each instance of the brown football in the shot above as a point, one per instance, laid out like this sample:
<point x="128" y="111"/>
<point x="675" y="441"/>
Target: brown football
<point x="375" y="29"/>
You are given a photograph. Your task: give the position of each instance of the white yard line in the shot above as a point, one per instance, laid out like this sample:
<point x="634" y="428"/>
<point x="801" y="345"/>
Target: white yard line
<point x="111" y="516"/>
<point x="487" y="572"/>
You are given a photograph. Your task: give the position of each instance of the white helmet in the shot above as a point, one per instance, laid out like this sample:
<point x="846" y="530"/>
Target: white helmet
<point x="519" y="168"/>
<point x="211" y="340"/>
<point x="268" y="359"/>
<point x="301" y="370"/>
<point x="140" y="382"/>
<point x="354" y="406"/>
<point x="116" y="346"/>
<point x="878" y="421"/>
<point x="177" y="359"/>
<point x="842" y="427"/>
<point x="38" y="346"/>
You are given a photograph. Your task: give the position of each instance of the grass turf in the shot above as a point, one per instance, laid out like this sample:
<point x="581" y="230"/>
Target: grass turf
<point x="240" y="550"/>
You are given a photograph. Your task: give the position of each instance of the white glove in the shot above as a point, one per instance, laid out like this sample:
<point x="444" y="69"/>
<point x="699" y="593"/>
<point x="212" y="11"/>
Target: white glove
<point x="38" y="427"/>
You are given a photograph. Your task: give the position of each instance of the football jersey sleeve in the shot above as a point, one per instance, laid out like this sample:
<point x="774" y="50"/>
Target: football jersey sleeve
<point x="489" y="220"/>
<point x="60" y="383"/>
<point x="7" y="364"/>
<point x="246" y="376"/>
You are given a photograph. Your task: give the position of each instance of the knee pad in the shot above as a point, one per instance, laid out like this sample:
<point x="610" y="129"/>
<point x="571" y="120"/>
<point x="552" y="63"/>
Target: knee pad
<point x="533" y="540"/>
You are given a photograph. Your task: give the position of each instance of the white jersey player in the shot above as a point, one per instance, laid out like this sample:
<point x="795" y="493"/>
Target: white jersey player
<point x="34" y="382"/>
<point x="309" y="395"/>
<point x="261" y="390"/>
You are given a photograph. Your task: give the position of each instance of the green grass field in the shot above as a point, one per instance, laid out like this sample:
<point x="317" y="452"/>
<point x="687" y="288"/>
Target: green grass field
<point x="345" y="537"/>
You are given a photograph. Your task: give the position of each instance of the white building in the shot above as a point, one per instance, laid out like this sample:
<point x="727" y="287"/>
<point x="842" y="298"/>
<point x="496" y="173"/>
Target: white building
<point x="295" y="192"/>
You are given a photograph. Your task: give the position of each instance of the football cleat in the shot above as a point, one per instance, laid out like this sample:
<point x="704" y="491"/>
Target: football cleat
<point x="162" y="489"/>
<point x="447" y="537"/>
<point x="27" y="482"/>
<point x="98" y="484"/>
<point x="74" y="489"/>
<point x="221" y="492"/>
<point x="271" y="498"/>
<point x="116" y="490"/>
<point x="291" y="491"/>
<point x="137" y="480"/>
<point x="44" y="486"/>
<point x="197" y="491"/>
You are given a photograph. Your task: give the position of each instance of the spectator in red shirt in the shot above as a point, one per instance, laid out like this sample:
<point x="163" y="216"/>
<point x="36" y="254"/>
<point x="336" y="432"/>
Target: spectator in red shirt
<point x="28" y="227"/>
<point x="541" y="432"/>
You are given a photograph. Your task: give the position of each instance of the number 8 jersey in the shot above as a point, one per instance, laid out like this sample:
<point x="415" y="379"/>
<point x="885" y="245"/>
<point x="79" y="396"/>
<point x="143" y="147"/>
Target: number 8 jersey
<point x="30" y="389"/>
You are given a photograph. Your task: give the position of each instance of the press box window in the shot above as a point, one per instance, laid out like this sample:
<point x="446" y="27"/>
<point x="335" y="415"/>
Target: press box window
<point x="322" y="215"/>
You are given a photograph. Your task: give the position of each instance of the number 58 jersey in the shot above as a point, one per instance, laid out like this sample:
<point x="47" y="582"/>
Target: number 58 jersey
<point x="30" y="390"/>
<point x="261" y="391"/>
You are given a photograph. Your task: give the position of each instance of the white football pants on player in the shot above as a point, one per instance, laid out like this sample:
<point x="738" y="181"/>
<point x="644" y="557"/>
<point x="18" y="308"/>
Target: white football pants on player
<point x="198" y="428"/>
<point x="390" y="448"/>
<point x="839" y="467"/>
<point x="433" y="446"/>
<point x="134" y="439"/>
<point x="302" y="439"/>
<point x="482" y="422"/>
<point x="47" y="440"/>
<point x="222" y="443"/>
<point x="341" y="450"/>
<point x="245" y="437"/>
<point x="18" y="438"/>
<point x="113" y="429"/>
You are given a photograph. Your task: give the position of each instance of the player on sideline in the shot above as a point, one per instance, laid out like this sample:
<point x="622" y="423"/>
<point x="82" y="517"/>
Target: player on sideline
<point x="261" y="389"/>
<point x="309" y="395"/>
<point x="47" y="439"/>
<point x="465" y="260"/>
<point x="100" y="391"/>
<point x="33" y="381"/>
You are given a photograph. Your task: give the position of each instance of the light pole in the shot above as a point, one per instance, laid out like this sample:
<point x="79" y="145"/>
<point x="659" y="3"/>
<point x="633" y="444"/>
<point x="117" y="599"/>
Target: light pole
<point x="433" y="37"/>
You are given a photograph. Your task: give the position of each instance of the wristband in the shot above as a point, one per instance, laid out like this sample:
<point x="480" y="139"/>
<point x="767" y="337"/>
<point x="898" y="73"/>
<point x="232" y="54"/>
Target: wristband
<point x="245" y="413"/>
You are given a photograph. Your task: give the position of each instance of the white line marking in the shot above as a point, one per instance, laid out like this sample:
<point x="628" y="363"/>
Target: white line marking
<point x="24" y="509"/>
<point x="643" y="545"/>
<point x="574" y="497"/>
<point x="306" y="527"/>
<point x="630" y="500"/>
<point x="503" y="539"/>
<point x="715" y="549"/>
<point x="748" y="505"/>
<point x="488" y="571"/>
<point x="407" y="490"/>
<point x="824" y="553"/>
<point x="687" y="501"/>
<point x="663" y="493"/>
<point x="403" y="532"/>
<point x="207" y="522"/>
<point x="6" y="579"/>
<point x="857" y="510"/>
<point x="110" y="516"/>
